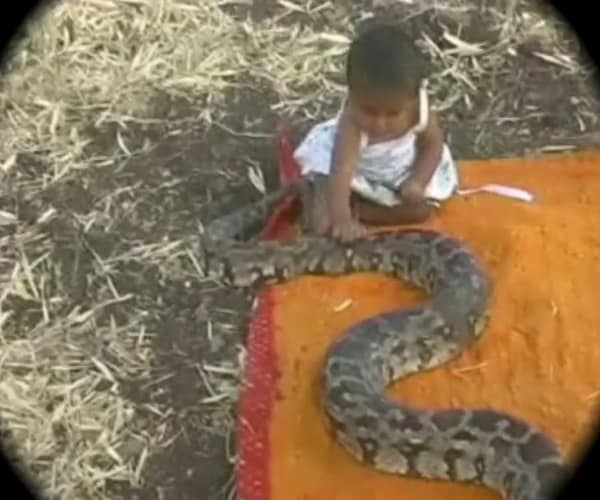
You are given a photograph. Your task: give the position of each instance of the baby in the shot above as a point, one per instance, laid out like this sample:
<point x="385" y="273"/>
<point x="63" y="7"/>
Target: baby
<point x="383" y="159"/>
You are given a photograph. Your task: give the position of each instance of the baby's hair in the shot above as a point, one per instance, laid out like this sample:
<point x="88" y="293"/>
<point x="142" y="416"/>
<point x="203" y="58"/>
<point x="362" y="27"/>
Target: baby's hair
<point x="384" y="57"/>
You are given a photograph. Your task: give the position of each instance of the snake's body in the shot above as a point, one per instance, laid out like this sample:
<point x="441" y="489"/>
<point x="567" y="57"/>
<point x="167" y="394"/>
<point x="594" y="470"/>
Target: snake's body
<point x="483" y="447"/>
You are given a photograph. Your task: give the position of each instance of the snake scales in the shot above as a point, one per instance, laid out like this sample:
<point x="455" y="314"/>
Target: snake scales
<point x="483" y="447"/>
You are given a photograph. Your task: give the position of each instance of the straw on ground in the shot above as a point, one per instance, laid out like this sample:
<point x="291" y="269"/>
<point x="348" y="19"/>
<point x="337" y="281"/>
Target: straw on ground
<point x="73" y="327"/>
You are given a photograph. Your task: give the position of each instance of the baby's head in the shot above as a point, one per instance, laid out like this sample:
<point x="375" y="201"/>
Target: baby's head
<point x="384" y="71"/>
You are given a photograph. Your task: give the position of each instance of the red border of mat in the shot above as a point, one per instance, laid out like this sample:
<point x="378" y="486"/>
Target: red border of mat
<point x="260" y="386"/>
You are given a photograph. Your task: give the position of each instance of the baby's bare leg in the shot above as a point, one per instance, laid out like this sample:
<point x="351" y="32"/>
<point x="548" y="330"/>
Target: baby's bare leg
<point x="378" y="215"/>
<point x="314" y="205"/>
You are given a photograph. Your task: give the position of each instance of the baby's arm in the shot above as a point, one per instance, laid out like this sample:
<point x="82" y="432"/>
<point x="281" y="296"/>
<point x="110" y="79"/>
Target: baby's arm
<point x="344" y="162"/>
<point x="430" y="143"/>
<point x="343" y="165"/>
<point x="429" y="147"/>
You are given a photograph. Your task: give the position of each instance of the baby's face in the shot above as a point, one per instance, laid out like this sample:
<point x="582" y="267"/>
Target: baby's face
<point x="383" y="115"/>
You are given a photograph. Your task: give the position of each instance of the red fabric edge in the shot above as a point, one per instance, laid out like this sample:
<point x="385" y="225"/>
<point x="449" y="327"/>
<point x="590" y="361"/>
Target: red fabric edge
<point x="279" y="224"/>
<point x="256" y="403"/>
<point x="259" y="389"/>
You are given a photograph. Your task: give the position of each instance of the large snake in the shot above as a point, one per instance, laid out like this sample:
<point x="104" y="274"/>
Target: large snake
<point x="483" y="447"/>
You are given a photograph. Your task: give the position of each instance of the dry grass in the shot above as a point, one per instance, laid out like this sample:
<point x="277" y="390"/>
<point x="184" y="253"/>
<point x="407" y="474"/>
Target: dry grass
<point x="86" y="64"/>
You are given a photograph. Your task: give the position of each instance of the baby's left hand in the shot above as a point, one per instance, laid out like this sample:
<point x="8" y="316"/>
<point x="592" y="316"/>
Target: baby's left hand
<point x="412" y="191"/>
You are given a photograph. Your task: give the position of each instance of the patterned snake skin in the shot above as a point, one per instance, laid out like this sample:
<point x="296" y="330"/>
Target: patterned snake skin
<point x="482" y="447"/>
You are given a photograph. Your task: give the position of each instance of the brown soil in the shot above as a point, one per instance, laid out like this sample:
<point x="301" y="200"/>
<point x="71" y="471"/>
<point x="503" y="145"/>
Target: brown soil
<point x="206" y="170"/>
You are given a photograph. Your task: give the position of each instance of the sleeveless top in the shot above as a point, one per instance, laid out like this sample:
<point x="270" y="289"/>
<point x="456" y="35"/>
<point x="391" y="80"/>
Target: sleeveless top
<point x="388" y="162"/>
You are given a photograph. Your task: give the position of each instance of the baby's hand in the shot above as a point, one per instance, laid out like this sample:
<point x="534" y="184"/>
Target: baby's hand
<point x="412" y="191"/>
<point x="345" y="228"/>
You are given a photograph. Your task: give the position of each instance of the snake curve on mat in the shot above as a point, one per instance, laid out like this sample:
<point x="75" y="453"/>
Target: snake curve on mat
<point x="483" y="447"/>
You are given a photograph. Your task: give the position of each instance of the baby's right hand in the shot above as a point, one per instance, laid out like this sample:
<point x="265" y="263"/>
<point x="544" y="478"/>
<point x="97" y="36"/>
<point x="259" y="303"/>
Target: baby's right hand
<point x="345" y="228"/>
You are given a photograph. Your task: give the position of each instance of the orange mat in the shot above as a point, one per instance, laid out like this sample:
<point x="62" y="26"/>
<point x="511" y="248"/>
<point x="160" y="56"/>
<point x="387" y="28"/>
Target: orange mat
<point x="540" y="358"/>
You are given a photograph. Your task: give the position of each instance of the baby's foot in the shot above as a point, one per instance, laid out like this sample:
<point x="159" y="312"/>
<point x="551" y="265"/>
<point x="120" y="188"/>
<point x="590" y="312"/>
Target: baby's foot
<point x="319" y="211"/>
<point x="315" y="207"/>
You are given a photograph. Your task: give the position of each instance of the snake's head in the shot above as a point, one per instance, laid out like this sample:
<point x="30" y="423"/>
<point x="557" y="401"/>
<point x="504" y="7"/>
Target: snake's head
<point x="215" y="262"/>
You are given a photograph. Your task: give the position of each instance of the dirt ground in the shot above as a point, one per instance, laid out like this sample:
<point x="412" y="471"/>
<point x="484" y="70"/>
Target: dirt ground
<point x="166" y="344"/>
